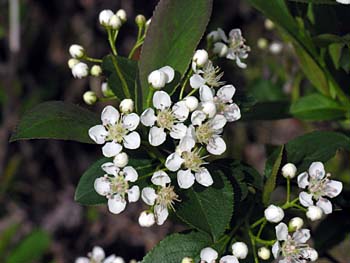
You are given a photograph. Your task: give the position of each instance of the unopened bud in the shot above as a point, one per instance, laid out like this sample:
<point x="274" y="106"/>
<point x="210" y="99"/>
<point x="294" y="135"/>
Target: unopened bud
<point x="121" y="159"/>
<point x="157" y="79"/>
<point x="295" y="224"/>
<point x="115" y="22"/>
<point x="122" y="15"/>
<point x="200" y="57"/>
<point x="264" y="253"/>
<point x="213" y="36"/>
<point x="262" y="43"/>
<point x="80" y="70"/>
<point x="240" y="250"/>
<point x="274" y="214"/>
<point x="126" y="105"/>
<point x="140" y="20"/>
<point x="72" y="62"/>
<point x="96" y="70"/>
<point x="146" y="219"/>
<point x="105" y="16"/>
<point x="76" y="51"/>
<point x="289" y="170"/>
<point x="187" y="260"/>
<point x="269" y="25"/>
<point x="314" y="213"/>
<point x="90" y="97"/>
<point x="191" y="103"/>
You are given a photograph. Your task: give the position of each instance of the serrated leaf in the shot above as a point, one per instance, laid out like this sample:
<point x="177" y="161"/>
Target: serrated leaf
<point x="85" y="193"/>
<point x="271" y="172"/>
<point x="199" y="205"/>
<point x="177" y="246"/>
<point x="316" y="107"/>
<point x="56" y="120"/>
<point x="172" y="38"/>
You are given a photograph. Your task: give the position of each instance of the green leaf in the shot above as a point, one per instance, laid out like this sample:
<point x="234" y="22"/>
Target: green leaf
<point x="316" y="146"/>
<point x="56" y="120"/>
<point x="85" y="193"/>
<point x="6" y="237"/>
<point x="122" y="75"/>
<point x="271" y="171"/>
<point x="174" y="33"/>
<point x="177" y="246"/>
<point x="316" y="2"/>
<point x="199" y="205"/>
<point x="325" y="40"/>
<point x="271" y="110"/>
<point x="317" y="107"/>
<point x="31" y="249"/>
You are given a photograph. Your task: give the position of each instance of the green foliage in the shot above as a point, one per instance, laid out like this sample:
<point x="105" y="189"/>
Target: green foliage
<point x="5" y="239"/>
<point x="269" y="110"/>
<point x="175" y="247"/>
<point x="172" y="38"/>
<point x="56" y="120"/>
<point x="31" y="249"/>
<point x="199" y="206"/>
<point x="317" y="2"/>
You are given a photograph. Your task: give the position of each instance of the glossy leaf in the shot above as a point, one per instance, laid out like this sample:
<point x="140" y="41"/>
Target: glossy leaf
<point x="56" y="120"/>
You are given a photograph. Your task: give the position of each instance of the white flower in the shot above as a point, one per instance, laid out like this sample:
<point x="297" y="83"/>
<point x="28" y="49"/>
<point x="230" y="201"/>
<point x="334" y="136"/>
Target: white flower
<point x="220" y="49"/>
<point x="191" y="102"/>
<point x="96" y="70"/>
<point x="116" y="130"/>
<point x="189" y="158"/>
<point x="208" y="255"/>
<point x="213" y="36"/>
<point x="240" y="250"/>
<point x="319" y="186"/>
<point x="115" y="22"/>
<point x="200" y="57"/>
<point x="115" y="186"/>
<point x="98" y="256"/>
<point x="122" y="15"/>
<point x="274" y="214"/>
<point x="121" y="159"/>
<point x="126" y="106"/>
<point x="345" y="2"/>
<point x="296" y="223"/>
<point x="105" y="16"/>
<point x="314" y="213"/>
<point x="264" y="253"/>
<point x="80" y="70"/>
<point x="146" y="219"/>
<point x="158" y="78"/>
<point x="90" y="97"/>
<point x="229" y="259"/>
<point x="76" y="51"/>
<point x="161" y="199"/>
<point x="289" y="170"/>
<point x="208" y="75"/>
<point x="292" y="248"/>
<point x="222" y="101"/>
<point x="166" y="118"/>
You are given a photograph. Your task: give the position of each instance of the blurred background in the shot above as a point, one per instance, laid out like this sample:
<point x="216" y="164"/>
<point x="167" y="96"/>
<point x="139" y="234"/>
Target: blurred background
<point x="39" y="220"/>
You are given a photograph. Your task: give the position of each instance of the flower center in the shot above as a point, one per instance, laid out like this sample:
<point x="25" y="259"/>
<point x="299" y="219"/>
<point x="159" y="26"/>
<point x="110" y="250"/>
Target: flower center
<point x="204" y="133"/>
<point x="116" y="132"/>
<point x="317" y="187"/>
<point x="292" y="249"/>
<point x="212" y="75"/>
<point x="165" y="119"/>
<point x="167" y="197"/>
<point x="119" y="185"/>
<point x="193" y="161"/>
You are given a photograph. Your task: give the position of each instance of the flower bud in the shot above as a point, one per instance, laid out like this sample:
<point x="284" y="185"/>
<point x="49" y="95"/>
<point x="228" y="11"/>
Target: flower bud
<point x="106" y="91"/>
<point x="90" y="97"/>
<point x="213" y="36"/>
<point x="208" y="254"/>
<point x="191" y="102"/>
<point x="289" y="170"/>
<point x="187" y="260"/>
<point x="264" y="253"/>
<point x="269" y="25"/>
<point x="274" y="214"/>
<point x="314" y="213"/>
<point x="140" y="20"/>
<point x="209" y="108"/>
<point x="117" y="260"/>
<point x="96" y="70"/>
<point x="115" y="22"/>
<point x="313" y="255"/>
<point x="240" y="250"/>
<point x="126" y="105"/>
<point x="121" y="159"/>
<point x="80" y="70"/>
<point x="72" y="62"/>
<point x="157" y="79"/>
<point x="122" y="15"/>
<point x="275" y="48"/>
<point x="76" y="51"/>
<point x="146" y="219"/>
<point x="105" y="16"/>
<point x="295" y="224"/>
<point x="200" y="57"/>
<point x="262" y="43"/>
<point x="102" y="186"/>
<point x="220" y="49"/>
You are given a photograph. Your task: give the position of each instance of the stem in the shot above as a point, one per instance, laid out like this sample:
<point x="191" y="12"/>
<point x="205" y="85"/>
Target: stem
<point x="135" y="47"/>
<point x="121" y="77"/>
<point x="189" y="73"/>
<point x="252" y="241"/>
<point x="261" y="229"/>
<point x="258" y="222"/>
<point x="150" y="95"/>
<point x="108" y="98"/>
<point x="288" y="190"/>
<point x="192" y="92"/>
<point x="96" y="60"/>
<point x="111" y="42"/>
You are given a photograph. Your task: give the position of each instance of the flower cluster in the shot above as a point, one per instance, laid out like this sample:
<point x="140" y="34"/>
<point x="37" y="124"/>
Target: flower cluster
<point x="97" y="255"/>
<point x="210" y="255"/>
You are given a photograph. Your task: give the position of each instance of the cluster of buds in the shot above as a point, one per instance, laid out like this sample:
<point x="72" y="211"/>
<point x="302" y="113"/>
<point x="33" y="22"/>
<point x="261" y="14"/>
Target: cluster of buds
<point x="210" y="255"/>
<point x="109" y="19"/>
<point x="97" y="255"/>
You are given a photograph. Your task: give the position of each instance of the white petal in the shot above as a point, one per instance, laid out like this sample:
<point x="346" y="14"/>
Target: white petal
<point x="169" y="71"/>
<point x="102" y="186"/>
<point x="198" y="117"/>
<point x="216" y="146"/>
<point x="161" y="213"/>
<point x="225" y="93"/>
<point x="178" y="131"/>
<point x="306" y="199"/>
<point x="185" y="179"/>
<point x="208" y="255"/>
<point x="132" y="140"/>
<point x="130" y="174"/>
<point x="197" y="81"/>
<point x="303" y="180"/>
<point x="220" y="49"/>
<point x="325" y="205"/>
<point x="160" y="178"/>
<point x="131" y="121"/>
<point x="173" y="162"/>
<point x="316" y="170"/>
<point x="186" y="144"/>
<point x="109" y="115"/>
<point x="209" y="108"/>
<point x="232" y="112"/>
<point x="333" y="188"/>
<point x="110" y="168"/>
<point x="161" y="100"/>
<point x="218" y="122"/>
<point x="281" y="231"/>
<point x="302" y="235"/>
<point x="82" y="260"/>
<point x="148" y="117"/>
<point x="229" y="259"/>
<point x="180" y="111"/>
<point x="240" y="63"/>
<point x="116" y="204"/>
<point x="97" y="254"/>
<point x="156" y="136"/>
<point x="149" y="195"/>
<point x="206" y="93"/>
<point x="98" y="134"/>
<point x="134" y="194"/>
<point x="203" y="177"/>
<point x="111" y="149"/>
<point x="275" y="249"/>
<point x="222" y="34"/>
